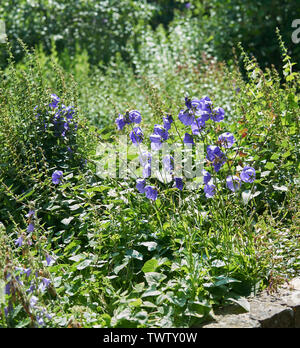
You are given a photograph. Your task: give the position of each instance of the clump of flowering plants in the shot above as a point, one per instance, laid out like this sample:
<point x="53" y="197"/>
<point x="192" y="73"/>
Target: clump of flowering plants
<point x="189" y="151"/>
<point x="194" y="157"/>
<point x="28" y="283"/>
<point x="56" y="127"/>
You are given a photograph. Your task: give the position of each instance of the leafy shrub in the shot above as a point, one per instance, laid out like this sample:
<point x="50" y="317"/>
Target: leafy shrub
<point x="102" y="28"/>
<point x="36" y="138"/>
<point x="253" y="24"/>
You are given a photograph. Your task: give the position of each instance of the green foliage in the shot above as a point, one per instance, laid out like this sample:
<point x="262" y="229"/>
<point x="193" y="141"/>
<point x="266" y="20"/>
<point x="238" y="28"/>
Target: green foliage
<point x="253" y="23"/>
<point x="102" y="28"/>
<point x="118" y="259"/>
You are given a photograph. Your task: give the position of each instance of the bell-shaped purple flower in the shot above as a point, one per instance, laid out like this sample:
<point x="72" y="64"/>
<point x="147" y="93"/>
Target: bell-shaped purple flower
<point x="33" y="301"/>
<point x="120" y="122"/>
<point x="197" y="126"/>
<point x="179" y="183"/>
<point x="136" y="136"/>
<point x="248" y="174"/>
<point x="188" y="139"/>
<point x="140" y="185"/>
<point x="55" y="101"/>
<point x="145" y="158"/>
<point x="202" y="108"/>
<point x="168" y="120"/>
<point x="188" y="103"/>
<point x="233" y="182"/>
<point x="156" y="141"/>
<point x="57" y="177"/>
<point x="186" y="117"/>
<point x="218" y="114"/>
<point x="49" y="259"/>
<point x="161" y="131"/>
<point x="151" y="192"/>
<point x="30" y="227"/>
<point x="147" y="171"/>
<point x="168" y="163"/>
<point x="134" y="116"/>
<point x="206" y="176"/>
<point x="30" y="214"/>
<point x="45" y="283"/>
<point x="216" y="156"/>
<point x="210" y="190"/>
<point x="19" y="241"/>
<point x="227" y="140"/>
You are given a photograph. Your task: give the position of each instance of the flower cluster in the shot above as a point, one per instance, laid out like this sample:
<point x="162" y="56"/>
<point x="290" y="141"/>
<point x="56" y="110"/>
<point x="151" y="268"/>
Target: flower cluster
<point x="25" y="279"/>
<point x="157" y="138"/>
<point x="56" y="127"/>
<point x="31" y="283"/>
<point x="63" y="118"/>
<point x="233" y="182"/>
<point x="161" y="133"/>
<point x="60" y="118"/>
<point x="30" y="228"/>
<point x="196" y="115"/>
<point x="128" y="118"/>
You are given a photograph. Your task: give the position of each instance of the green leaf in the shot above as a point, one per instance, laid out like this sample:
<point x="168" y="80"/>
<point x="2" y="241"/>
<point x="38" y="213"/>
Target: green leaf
<point x="26" y="195"/>
<point x="23" y="323"/>
<point x="197" y="309"/>
<point x="221" y="280"/>
<point x="134" y="254"/>
<point x="270" y="165"/>
<point x="151" y="292"/>
<point x="67" y="221"/>
<point x="135" y="302"/>
<point x="118" y="268"/>
<point x="247" y="196"/>
<point x="280" y="188"/>
<point x="139" y="287"/>
<point x="166" y="225"/>
<point x="154" y="278"/>
<point x="150" y="266"/>
<point x="77" y="258"/>
<point x="149" y="245"/>
<point x="242" y="302"/>
<point x="265" y="173"/>
<point x="74" y="207"/>
<point x="84" y="264"/>
<point x="148" y="304"/>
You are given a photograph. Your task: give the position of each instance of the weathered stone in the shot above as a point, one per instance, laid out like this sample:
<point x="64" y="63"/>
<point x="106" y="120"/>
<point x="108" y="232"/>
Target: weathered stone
<point x="277" y="310"/>
<point x="293" y="301"/>
<point x="271" y="315"/>
<point x="234" y="321"/>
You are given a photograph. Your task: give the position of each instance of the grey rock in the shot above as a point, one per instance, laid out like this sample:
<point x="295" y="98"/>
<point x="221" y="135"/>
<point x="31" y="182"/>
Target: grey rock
<point x="277" y="310"/>
<point x="234" y="322"/>
<point x="271" y="315"/>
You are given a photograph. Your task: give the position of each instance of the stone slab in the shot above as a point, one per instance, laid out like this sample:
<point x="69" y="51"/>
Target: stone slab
<point x="276" y="310"/>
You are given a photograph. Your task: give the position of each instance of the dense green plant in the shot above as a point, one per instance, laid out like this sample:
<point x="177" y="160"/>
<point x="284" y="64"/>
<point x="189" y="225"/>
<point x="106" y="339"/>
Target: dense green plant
<point x="102" y="28"/>
<point x="253" y="23"/>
